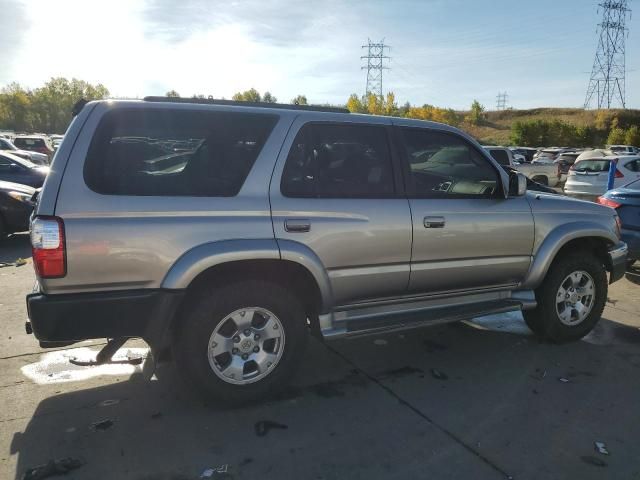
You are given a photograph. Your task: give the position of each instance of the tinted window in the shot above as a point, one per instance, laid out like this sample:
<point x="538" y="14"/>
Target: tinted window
<point x="29" y="142"/>
<point x="444" y="165"/>
<point x="339" y="161"/>
<point x="500" y="156"/>
<point x="633" y="165"/>
<point x="175" y="152"/>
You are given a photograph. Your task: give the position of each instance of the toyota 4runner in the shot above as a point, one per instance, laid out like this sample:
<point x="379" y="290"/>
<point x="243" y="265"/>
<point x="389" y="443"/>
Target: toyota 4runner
<point x="227" y="231"/>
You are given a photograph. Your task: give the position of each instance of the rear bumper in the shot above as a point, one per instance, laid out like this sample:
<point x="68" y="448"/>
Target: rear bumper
<point x="72" y="318"/>
<point x="618" y="260"/>
<point x="632" y="239"/>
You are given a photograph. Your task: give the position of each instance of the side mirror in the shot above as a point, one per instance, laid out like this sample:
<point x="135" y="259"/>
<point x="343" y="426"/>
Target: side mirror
<point x="517" y="185"/>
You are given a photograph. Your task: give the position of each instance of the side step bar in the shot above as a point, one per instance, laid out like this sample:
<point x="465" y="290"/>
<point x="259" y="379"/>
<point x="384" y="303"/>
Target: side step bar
<point x="415" y="318"/>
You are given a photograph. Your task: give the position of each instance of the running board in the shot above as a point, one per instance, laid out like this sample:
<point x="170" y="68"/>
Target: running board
<point x="383" y="322"/>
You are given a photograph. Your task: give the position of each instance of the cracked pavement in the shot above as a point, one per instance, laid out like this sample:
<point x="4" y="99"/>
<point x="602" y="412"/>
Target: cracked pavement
<point x="482" y="401"/>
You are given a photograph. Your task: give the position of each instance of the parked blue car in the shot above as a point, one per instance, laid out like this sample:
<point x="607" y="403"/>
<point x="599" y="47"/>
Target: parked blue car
<point x="18" y="170"/>
<point x="626" y="201"/>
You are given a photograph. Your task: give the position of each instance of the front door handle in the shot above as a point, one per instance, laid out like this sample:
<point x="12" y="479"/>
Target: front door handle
<point x="434" y="222"/>
<point x="297" y="225"/>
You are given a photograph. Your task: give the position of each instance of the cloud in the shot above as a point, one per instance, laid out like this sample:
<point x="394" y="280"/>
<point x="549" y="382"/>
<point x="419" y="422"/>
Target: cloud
<point x="12" y="36"/>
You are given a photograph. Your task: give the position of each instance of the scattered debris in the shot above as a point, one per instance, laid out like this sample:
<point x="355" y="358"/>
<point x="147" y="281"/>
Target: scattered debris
<point x="61" y="466"/>
<point x="263" y="426"/>
<point x="438" y="375"/>
<point x="563" y="380"/>
<point x="539" y="374"/>
<point x="102" y="425"/>
<point x="210" y="472"/>
<point x="156" y="415"/>
<point x="591" y="460"/>
<point x="20" y="262"/>
<point x="380" y="341"/>
<point x="108" y="403"/>
<point x="601" y="448"/>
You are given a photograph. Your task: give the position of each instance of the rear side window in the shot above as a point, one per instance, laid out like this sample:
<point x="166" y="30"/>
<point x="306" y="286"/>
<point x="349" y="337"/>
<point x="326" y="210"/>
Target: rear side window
<point x="339" y="161"/>
<point x="500" y="156"/>
<point x="175" y="152"/>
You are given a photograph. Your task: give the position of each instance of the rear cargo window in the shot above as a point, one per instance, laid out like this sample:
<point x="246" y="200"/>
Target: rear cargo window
<point x="592" y="166"/>
<point x="29" y="142"/>
<point x="175" y="152"/>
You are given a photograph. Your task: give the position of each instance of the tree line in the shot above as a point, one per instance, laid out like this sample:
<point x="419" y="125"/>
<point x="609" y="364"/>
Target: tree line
<point x="45" y="109"/>
<point x="48" y="109"/>
<point x="611" y="128"/>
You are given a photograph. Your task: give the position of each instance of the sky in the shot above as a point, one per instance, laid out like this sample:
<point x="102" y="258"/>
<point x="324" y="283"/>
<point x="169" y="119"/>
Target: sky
<point x="443" y="52"/>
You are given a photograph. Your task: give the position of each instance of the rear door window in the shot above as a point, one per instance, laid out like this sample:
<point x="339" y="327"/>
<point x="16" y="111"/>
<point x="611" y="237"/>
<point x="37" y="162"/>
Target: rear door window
<point x="175" y="152"/>
<point x="339" y="161"/>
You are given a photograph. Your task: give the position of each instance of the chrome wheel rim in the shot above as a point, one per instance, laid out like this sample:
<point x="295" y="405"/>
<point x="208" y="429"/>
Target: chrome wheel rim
<point x="246" y="345"/>
<point x="575" y="298"/>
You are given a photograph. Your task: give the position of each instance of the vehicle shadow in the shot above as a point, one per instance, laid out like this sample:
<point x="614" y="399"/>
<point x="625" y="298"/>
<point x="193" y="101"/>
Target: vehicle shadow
<point x="368" y="408"/>
<point x="15" y="246"/>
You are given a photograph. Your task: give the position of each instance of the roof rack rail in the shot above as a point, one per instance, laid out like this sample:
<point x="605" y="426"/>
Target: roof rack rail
<point x="216" y="101"/>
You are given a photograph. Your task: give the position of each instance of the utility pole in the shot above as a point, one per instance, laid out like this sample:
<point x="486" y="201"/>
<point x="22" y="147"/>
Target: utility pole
<point x="607" y="82"/>
<point x="375" y="65"/>
<point x="501" y="101"/>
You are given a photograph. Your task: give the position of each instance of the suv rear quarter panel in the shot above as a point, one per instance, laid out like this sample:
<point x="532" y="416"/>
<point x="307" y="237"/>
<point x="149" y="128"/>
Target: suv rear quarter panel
<point x="123" y="242"/>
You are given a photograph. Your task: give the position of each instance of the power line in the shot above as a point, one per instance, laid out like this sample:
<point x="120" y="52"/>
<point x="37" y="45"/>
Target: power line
<point x="607" y="80"/>
<point x="375" y="65"/>
<point x="501" y="101"/>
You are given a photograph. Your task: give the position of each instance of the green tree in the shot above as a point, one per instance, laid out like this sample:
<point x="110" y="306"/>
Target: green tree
<point x="616" y="136"/>
<point x="172" y="94"/>
<point x="268" y="98"/>
<point x="299" y="100"/>
<point x="476" y="114"/>
<point x="251" y="95"/>
<point x="632" y="136"/>
<point x="15" y="108"/>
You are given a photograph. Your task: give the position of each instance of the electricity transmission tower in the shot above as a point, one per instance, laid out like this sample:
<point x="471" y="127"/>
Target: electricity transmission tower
<point x="607" y="80"/>
<point x="501" y="101"/>
<point x="375" y="65"/>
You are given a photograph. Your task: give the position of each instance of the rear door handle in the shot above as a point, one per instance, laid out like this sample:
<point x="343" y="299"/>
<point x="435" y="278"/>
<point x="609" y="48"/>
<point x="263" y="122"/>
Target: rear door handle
<point x="434" y="222"/>
<point x="297" y="225"/>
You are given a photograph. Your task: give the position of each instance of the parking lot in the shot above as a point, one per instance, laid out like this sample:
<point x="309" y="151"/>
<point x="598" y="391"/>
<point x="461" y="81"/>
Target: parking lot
<point x="484" y="400"/>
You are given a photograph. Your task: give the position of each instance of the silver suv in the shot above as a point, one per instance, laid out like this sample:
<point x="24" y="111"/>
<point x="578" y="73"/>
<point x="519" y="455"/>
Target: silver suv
<point x="227" y="232"/>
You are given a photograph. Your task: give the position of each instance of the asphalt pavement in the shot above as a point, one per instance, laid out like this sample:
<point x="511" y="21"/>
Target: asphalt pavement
<point x="481" y="400"/>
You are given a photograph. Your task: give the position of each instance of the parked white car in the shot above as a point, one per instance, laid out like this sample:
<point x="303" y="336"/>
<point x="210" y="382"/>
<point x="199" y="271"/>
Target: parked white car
<point x="623" y="149"/>
<point x="587" y="179"/>
<point x="546" y="174"/>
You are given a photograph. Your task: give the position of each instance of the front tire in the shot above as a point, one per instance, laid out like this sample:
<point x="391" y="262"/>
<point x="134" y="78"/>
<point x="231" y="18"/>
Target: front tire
<point x="241" y="342"/>
<point x="570" y="300"/>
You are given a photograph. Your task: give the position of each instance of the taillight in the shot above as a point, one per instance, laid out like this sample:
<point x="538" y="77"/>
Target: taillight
<point x="47" y="247"/>
<point x="608" y="202"/>
<point x="619" y="174"/>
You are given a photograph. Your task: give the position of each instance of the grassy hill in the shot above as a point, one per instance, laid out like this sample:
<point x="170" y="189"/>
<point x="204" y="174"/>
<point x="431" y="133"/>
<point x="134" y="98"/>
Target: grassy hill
<point x="496" y="129"/>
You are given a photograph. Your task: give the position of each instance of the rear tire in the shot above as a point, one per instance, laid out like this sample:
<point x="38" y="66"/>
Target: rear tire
<point x="227" y="346"/>
<point x="570" y="300"/>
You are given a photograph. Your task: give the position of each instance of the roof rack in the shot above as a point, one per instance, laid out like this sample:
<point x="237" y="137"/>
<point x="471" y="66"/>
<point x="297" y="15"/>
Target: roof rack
<point x="216" y="101"/>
